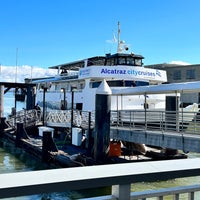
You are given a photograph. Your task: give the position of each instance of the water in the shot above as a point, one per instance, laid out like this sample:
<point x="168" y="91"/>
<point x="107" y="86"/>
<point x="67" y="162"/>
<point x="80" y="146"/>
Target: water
<point x="16" y="160"/>
<point x="9" y="103"/>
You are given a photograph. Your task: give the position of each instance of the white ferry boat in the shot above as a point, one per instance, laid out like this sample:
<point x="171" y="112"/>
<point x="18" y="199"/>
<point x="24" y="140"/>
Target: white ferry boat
<point x="77" y="82"/>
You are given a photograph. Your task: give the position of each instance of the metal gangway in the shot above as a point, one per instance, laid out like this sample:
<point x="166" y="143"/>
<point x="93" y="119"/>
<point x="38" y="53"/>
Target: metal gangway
<point x="27" y="117"/>
<point x="157" y="120"/>
<point x="167" y="129"/>
<point x="170" y="129"/>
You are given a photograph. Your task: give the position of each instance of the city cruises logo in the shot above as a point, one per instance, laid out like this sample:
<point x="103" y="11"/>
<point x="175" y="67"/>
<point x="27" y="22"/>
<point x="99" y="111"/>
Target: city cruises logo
<point x="84" y="72"/>
<point x="134" y="72"/>
<point x="158" y="73"/>
<point x="120" y="72"/>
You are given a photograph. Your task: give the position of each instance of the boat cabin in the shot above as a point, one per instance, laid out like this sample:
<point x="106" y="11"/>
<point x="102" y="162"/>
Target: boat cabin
<point x="107" y="60"/>
<point x="123" y="59"/>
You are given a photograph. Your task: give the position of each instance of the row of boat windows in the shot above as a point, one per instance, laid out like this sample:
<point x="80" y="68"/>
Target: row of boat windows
<point x="117" y="61"/>
<point x="120" y="83"/>
<point x="95" y="84"/>
<point x="124" y="61"/>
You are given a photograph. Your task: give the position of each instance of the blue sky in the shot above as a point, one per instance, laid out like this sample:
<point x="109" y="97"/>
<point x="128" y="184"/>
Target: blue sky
<point x="51" y="32"/>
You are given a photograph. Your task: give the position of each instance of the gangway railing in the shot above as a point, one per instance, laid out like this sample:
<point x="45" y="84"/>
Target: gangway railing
<point x="63" y="118"/>
<point x="174" y="121"/>
<point x="28" y="117"/>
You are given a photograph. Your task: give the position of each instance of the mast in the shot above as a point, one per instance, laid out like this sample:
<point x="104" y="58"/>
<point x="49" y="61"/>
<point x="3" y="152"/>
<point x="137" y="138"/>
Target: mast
<point x="121" y="46"/>
<point x="16" y="65"/>
<point x="118" y="38"/>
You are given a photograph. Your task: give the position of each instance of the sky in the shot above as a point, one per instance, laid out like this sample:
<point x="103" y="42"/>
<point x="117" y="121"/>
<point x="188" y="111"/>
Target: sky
<point x="43" y="33"/>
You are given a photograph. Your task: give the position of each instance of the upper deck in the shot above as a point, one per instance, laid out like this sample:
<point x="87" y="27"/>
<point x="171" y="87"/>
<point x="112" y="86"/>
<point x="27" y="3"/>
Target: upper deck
<point x="112" y="66"/>
<point x="107" y="60"/>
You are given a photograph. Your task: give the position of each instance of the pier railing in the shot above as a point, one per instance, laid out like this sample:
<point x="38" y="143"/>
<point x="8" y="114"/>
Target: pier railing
<point x="121" y="177"/>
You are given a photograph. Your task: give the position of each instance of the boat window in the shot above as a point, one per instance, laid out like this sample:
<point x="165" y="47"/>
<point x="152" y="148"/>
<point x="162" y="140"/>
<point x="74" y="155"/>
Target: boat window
<point x="141" y="83"/>
<point x="64" y="72"/>
<point x="95" y="84"/>
<point x="79" y="106"/>
<point x="118" y="83"/>
<point x="110" y="62"/>
<point x="130" y="61"/>
<point x="130" y="84"/>
<point x="81" y="85"/>
<point x="138" y="62"/>
<point x="57" y="87"/>
<point x="121" y="61"/>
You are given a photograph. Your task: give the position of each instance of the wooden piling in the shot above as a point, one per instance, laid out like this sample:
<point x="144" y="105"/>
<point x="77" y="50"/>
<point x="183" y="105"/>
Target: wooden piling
<point x="47" y="145"/>
<point x="102" y="121"/>
<point x="2" y="125"/>
<point x="20" y="134"/>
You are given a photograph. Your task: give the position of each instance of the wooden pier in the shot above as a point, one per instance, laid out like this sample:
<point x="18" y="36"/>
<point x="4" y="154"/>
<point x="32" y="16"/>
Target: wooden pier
<point x="21" y="91"/>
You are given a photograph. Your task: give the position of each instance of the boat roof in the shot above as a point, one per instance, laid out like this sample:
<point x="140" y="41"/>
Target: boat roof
<point x="78" y="64"/>
<point x="185" y="87"/>
<point x="124" y="55"/>
<point x="97" y="60"/>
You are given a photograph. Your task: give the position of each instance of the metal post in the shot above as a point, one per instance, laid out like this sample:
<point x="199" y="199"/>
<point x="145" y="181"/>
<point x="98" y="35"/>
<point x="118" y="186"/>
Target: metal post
<point x="121" y="192"/>
<point x="44" y="92"/>
<point x="89" y="136"/>
<point x="15" y="98"/>
<point x="1" y="100"/>
<point x="64" y="99"/>
<point x="30" y="98"/>
<point x="72" y="109"/>
<point x="145" y="109"/>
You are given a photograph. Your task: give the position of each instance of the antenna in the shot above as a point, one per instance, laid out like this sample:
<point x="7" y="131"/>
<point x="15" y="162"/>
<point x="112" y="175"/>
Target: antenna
<point x="118" y="38"/>
<point x="16" y="65"/>
<point x="121" y="45"/>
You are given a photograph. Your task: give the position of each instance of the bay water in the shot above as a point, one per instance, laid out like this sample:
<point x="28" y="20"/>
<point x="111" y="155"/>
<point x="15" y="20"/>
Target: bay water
<point x="17" y="160"/>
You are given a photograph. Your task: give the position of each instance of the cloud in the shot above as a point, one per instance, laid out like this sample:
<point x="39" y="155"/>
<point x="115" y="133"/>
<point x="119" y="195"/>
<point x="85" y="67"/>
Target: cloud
<point x="179" y="63"/>
<point x="13" y="74"/>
